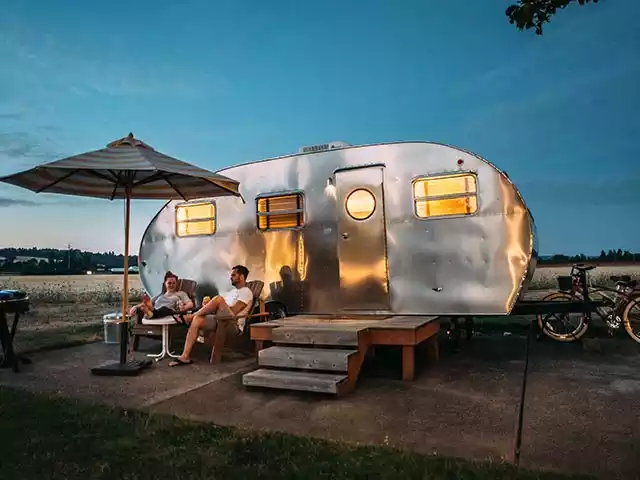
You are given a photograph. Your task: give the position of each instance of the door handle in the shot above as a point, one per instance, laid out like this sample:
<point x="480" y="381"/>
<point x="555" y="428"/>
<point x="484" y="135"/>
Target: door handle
<point x="345" y="235"/>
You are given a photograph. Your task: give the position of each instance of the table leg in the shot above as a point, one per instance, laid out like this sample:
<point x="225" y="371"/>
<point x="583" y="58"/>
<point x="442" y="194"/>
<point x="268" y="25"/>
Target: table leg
<point x="433" y="349"/>
<point x="163" y="353"/>
<point x="165" y="339"/>
<point x="259" y="346"/>
<point x="408" y="362"/>
<point x="9" y="359"/>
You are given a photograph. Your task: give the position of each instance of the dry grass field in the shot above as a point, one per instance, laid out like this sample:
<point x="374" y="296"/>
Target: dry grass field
<point x="66" y="310"/>
<point x="73" y="288"/>
<point x="545" y="276"/>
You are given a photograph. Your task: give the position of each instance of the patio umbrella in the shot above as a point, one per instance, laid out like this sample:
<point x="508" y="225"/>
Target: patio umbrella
<point x="127" y="168"/>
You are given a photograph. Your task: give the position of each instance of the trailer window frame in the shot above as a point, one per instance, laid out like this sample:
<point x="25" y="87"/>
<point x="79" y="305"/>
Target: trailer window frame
<point x="213" y="219"/>
<point x="472" y="194"/>
<point x="299" y="210"/>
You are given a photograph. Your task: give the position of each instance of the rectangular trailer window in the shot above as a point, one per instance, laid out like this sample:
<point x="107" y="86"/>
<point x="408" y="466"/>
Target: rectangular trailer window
<point x="197" y="218"/>
<point x="280" y="211"/>
<point x="445" y="196"/>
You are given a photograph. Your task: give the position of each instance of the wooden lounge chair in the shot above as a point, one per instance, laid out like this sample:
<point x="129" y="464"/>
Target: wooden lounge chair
<point x="218" y="338"/>
<point x="155" y="331"/>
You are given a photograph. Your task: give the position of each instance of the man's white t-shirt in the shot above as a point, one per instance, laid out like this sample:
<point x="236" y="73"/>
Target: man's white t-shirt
<point x="243" y="295"/>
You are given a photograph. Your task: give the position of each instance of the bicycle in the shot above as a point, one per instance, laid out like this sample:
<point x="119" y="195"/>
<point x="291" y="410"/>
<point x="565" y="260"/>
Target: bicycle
<point x="615" y="311"/>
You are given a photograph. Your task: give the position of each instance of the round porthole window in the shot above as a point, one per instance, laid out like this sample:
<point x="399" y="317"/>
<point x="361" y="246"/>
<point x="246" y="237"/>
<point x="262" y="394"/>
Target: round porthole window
<point x="361" y="204"/>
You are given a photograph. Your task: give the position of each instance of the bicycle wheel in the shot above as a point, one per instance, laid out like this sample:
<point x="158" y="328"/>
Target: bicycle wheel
<point x="562" y="327"/>
<point x="631" y="319"/>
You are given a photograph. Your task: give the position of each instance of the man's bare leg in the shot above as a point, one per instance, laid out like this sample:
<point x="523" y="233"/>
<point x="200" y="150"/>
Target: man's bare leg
<point x="208" y="309"/>
<point x="196" y="322"/>
<point x="192" y="334"/>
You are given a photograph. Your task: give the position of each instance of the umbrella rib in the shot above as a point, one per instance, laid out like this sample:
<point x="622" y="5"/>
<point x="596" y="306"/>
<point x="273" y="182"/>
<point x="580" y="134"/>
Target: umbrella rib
<point x="64" y="177"/>
<point x="115" y="185"/>
<point x="221" y="186"/>
<point x="174" y="187"/>
<point x="151" y="178"/>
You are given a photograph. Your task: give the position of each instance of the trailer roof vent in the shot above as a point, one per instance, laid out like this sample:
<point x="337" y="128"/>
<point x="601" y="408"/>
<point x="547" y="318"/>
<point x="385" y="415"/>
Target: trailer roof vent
<point x="323" y="147"/>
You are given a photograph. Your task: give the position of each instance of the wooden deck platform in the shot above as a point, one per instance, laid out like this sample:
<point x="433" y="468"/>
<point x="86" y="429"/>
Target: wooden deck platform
<point x="338" y="345"/>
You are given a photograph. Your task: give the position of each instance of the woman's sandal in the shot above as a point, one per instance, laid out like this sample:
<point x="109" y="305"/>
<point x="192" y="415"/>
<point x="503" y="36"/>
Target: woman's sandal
<point x="177" y="362"/>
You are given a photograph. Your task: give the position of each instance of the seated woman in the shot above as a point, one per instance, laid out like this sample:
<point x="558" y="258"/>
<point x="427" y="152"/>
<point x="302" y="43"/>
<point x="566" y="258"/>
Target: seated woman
<point x="169" y="303"/>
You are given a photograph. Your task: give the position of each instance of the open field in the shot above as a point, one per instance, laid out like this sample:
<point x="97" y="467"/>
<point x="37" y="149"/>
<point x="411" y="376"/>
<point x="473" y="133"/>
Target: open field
<point x="73" y="288"/>
<point x="545" y="276"/>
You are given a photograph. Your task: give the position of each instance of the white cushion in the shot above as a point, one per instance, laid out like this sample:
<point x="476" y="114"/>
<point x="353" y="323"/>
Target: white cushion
<point x="159" y="321"/>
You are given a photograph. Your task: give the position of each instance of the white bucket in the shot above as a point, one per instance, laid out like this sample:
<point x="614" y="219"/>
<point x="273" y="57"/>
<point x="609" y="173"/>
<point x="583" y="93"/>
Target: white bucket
<point x="112" y="327"/>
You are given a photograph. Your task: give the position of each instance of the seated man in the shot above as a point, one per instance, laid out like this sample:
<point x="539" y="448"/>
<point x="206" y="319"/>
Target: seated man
<point x="165" y="304"/>
<point x="234" y="304"/>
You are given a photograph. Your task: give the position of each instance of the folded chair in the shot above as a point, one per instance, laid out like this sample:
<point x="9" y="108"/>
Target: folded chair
<point x="142" y="330"/>
<point x="258" y="313"/>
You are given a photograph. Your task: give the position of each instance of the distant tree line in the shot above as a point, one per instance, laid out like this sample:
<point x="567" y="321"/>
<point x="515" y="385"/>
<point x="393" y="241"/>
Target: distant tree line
<point x="610" y="256"/>
<point x="52" y="261"/>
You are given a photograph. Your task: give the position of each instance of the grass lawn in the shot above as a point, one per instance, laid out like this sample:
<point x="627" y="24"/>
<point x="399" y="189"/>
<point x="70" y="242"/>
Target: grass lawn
<point x="45" y="437"/>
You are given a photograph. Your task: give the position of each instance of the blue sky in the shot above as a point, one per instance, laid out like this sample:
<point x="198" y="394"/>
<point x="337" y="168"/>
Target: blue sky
<point x="217" y="83"/>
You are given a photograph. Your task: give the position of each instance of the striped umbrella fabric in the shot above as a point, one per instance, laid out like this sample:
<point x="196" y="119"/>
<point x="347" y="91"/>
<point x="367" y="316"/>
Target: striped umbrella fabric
<point x="125" y="164"/>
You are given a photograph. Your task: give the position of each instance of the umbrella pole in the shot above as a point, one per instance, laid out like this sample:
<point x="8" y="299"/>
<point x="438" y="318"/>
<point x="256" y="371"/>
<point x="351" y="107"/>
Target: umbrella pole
<point x="124" y="326"/>
<point x="133" y="367"/>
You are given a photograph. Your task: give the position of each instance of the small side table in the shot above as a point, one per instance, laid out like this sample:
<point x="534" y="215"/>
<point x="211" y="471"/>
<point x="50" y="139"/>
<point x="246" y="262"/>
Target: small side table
<point x="165" y="323"/>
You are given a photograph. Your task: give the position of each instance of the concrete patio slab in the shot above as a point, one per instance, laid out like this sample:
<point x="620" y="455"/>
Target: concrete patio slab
<point x="67" y="372"/>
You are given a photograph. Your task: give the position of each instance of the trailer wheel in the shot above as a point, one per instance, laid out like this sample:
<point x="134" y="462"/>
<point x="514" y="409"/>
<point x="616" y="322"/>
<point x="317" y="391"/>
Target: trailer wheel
<point x="631" y="319"/>
<point x="552" y="324"/>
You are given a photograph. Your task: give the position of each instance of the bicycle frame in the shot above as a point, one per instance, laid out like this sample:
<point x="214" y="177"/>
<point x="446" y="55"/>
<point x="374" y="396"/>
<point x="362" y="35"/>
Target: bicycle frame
<point x="582" y="287"/>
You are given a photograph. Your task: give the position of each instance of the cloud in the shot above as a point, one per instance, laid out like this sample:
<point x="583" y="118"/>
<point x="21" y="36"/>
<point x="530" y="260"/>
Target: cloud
<point x="14" y="202"/>
<point x="35" y="56"/>
<point x="20" y="145"/>
<point x="11" y="116"/>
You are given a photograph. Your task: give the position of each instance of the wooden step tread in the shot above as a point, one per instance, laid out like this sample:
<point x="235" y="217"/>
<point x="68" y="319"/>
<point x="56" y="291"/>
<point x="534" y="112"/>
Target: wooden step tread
<point x="316" y="336"/>
<point x="291" y="380"/>
<point x="306" y="358"/>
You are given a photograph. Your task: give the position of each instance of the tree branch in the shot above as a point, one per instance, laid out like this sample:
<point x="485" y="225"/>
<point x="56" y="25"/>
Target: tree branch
<point x="528" y="14"/>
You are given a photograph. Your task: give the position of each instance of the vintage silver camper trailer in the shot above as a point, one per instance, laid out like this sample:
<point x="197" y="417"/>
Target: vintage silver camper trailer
<point x="407" y="228"/>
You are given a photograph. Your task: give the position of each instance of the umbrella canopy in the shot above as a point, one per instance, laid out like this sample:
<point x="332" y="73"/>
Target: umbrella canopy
<point x="127" y="168"/>
<point x="125" y="165"/>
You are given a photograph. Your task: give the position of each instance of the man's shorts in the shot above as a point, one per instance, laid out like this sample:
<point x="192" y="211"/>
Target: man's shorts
<point x="223" y="314"/>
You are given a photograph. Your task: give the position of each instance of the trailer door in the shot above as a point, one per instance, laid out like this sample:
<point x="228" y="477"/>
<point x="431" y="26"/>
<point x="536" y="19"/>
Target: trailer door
<point x="362" y="240"/>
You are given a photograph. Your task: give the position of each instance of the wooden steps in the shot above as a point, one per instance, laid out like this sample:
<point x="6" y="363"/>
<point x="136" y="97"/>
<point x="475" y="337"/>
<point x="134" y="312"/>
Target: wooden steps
<point x="325" y="354"/>
<point x="296" y="380"/>
<point x="312" y="357"/>
<point x="317" y="335"/>
<point x="335" y="360"/>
